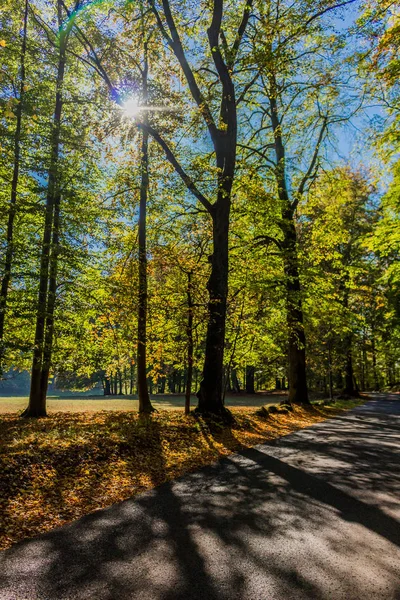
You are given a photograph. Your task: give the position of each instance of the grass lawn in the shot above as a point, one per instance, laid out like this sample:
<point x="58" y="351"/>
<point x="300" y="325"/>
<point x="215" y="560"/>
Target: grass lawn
<point x="60" y="468"/>
<point x="83" y="403"/>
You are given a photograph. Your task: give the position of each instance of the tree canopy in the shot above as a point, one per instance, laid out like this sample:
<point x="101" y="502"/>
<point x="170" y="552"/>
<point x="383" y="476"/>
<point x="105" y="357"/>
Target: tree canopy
<point x="182" y="207"/>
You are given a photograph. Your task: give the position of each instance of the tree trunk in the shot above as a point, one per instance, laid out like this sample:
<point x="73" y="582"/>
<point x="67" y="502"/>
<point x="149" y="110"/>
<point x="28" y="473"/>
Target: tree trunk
<point x="9" y="250"/>
<point x="235" y="381"/>
<point x="120" y="392"/>
<point x="224" y="139"/>
<point x="374" y="369"/>
<point x="330" y="373"/>
<point x="131" y="380"/>
<point x="107" y="387"/>
<point x="162" y="383"/>
<point x="210" y="394"/>
<point x="171" y="382"/>
<point x="349" y="387"/>
<point x="145" y="405"/>
<point x="179" y="381"/>
<point x="228" y="380"/>
<point x="125" y="383"/>
<point x="37" y="398"/>
<point x="51" y="300"/>
<point x="339" y="380"/>
<point x="250" y="388"/>
<point x="298" y="392"/>
<point x="363" y="360"/>
<point x="190" y="345"/>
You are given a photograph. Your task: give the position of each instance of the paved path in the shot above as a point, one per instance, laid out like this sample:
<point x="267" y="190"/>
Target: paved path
<point x="315" y="515"/>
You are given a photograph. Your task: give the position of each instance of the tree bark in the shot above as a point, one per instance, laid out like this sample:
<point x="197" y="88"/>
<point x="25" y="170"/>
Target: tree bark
<point x="131" y="380"/>
<point x="161" y="385"/>
<point x="363" y="360"/>
<point x="51" y="301"/>
<point x="330" y="373"/>
<point x="9" y="251"/>
<point x="111" y="385"/>
<point x="171" y="382"/>
<point x="235" y="381"/>
<point x="298" y="392"/>
<point x="349" y="387"/>
<point x="145" y="405"/>
<point x="210" y="394"/>
<point x="250" y="387"/>
<point x="120" y="392"/>
<point x="190" y="344"/>
<point x="374" y="369"/>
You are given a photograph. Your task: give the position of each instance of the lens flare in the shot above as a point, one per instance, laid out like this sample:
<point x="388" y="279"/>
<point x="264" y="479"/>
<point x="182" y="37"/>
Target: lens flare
<point x="131" y="107"/>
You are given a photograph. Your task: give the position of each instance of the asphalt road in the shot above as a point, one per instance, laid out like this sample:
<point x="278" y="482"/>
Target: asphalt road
<point x="314" y="515"/>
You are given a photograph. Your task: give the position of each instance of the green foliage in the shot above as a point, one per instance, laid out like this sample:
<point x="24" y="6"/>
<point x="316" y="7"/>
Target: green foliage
<point x="347" y="230"/>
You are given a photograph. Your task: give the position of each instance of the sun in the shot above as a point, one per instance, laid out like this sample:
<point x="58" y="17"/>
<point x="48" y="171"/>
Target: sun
<point x="131" y="107"/>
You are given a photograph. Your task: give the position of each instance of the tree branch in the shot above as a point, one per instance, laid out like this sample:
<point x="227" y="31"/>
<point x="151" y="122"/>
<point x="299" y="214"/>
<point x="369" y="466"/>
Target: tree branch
<point x="93" y="55"/>
<point x="213" y="33"/>
<point x="259" y="152"/>
<point x="310" y="169"/>
<point x="265" y="240"/>
<point x="191" y="186"/>
<point x="228" y="114"/>
<point x="246" y="88"/>
<point x="176" y="45"/>
<point x="145" y="127"/>
<point x="47" y="30"/>
<point x="161" y="25"/>
<point x="316" y="15"/>
<point x="240" y="33"/>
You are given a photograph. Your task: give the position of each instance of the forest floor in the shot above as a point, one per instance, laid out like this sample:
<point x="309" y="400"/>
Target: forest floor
<point x="57" y="469"/>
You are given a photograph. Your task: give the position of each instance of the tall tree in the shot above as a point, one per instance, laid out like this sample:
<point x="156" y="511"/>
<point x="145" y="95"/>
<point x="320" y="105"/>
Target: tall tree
<point x="143" y="392"/>
<point x="293" y="102"/>
<point x="223" y="136"/>
<point x="9" y="249"/>
<point x="49" y="251"/>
